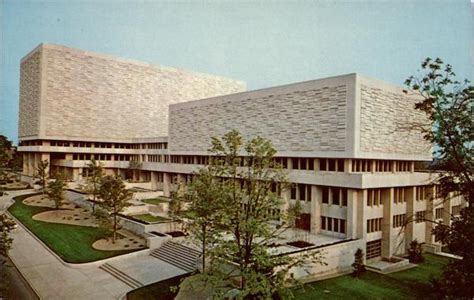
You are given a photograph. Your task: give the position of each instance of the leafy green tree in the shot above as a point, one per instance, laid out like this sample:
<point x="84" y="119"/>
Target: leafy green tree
<point x="358" y="265"/>
<point x="5" y="148"/>
<point x="95" y="172"/>
<point x="448" y="104"/>
<point x="42" y="173"/>
<point x="206" y="209"/>
<point x="55" y="191"/>
<point x="247" y="201"/>
<point x="114" y="198"/>
<point x="6" y="226"/>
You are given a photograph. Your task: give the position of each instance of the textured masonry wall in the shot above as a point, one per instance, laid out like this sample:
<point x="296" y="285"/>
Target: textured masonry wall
<point x="30" y="89"/>
<point x="90" y="95"/>
<point x="307" y="120"/>
<point x="385" y="123"/>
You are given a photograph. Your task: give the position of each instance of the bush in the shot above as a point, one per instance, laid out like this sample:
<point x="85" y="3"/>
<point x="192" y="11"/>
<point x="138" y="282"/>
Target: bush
<point x="358" y="265"/>
<point x="415" y="252"/>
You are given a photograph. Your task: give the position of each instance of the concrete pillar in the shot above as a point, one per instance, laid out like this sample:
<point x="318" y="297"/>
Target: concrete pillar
<point x="75" y="174"/>
<point x="361" y="229"/>
<point x="447" y="211"/>
<point x="410" y="194"/>
<point x="430" y="216"/>
<point x="80" y="170"/>
<point x="316" y="164"/>
<point x="316" y="204"/>
<point x="412" y="166"/>
<point x="166" y="184"/>
<point x="351" y="218"/>
<point x="154" y="180"/>
<point x="388" y="246"/>
<point x="348" y="165"/>
<point x="373" y="166"/>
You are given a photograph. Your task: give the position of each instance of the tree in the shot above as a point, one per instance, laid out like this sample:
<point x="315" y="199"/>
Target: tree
<point x="133" y="167"/>
<point x="55" y="191"/>
<point x="115" y="198"/>
<point x="358" y="265"/>
<point x="42" y="173"/>
<point x="415" y="252"/>
<point x="448" y="105"/>
<point x="95" y="172"/>
<point x="206" y="208"/>
<point x="246" y="195"/>
<point x="5" y="157"/>
<point x="6" y="226"/>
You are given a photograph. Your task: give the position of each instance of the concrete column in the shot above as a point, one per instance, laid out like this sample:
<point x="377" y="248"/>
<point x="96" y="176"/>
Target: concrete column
<point x="410" y="194"/>
<point x="316" y="203"/>
<point x="285" y="194"/>
<point x="394" y="166"/>
<point x="316" y="164"/>
<point x="373" y="166"/>
<point x="154" y="180"/>
<point x="25" y="164"/>
<point x="290" y="163"/>
<point x="348" y="165"/>
<point x="80" y="171"/>
<point x="166" y="184"/>
<point x="351" y="218"/>
<point x="361" y="224"/>
<point x="75" y="174"/>
<point x="388" y="246"/>
<point x="430" y="216"/>
<point x="412" y="166"/>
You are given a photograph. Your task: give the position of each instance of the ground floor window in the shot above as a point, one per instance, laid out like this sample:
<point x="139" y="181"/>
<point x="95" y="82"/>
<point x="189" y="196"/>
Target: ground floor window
<point x="374" y="249"/>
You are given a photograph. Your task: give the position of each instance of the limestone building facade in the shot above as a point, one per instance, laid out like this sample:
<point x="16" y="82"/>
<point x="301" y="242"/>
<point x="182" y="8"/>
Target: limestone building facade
<point x="344" y="141"/>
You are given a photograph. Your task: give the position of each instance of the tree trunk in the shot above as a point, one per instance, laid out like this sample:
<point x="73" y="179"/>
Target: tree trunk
<point x="203" y="248"/>
<point x="115" y="229"/>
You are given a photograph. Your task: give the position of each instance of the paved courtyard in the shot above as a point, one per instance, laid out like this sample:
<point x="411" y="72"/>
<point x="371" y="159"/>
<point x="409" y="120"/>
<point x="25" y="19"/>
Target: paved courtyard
<point x="53" y="279"/>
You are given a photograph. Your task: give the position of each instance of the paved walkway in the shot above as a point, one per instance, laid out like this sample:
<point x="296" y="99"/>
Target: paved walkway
<point x="53" y="279"/>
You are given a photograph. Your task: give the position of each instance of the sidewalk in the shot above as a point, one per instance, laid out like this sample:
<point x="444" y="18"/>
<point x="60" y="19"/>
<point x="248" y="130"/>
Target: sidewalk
<point x="52" y="279"/>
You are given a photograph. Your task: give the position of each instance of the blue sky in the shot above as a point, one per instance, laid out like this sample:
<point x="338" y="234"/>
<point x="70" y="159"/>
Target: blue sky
<point x="260" y="42"/>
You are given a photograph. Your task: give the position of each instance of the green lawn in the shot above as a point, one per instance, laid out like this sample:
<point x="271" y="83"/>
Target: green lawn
<point x="156" y="201"/>
<point x="409" y="284"/>
<point x="150" y="218"/>
<point x="72" y="243"/>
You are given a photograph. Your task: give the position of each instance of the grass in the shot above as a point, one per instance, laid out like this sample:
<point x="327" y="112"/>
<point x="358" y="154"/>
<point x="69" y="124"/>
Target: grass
<point x="409" y="284"/>
<point x="156" y="201"/>
<point x="150" y="218"/>
<point x="157" y="290"/>
<point x="70" y="242"/>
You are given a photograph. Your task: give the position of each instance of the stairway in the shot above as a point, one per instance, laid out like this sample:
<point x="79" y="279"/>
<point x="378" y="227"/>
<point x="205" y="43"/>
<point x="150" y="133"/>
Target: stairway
<point x="178" y="255"/>
<point x="131" y="282"/>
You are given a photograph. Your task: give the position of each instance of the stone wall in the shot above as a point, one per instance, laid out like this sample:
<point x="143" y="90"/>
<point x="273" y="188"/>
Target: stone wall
<point x="30" y="93"/>
<point x="88" y="95"/>
<point x="389" y="122"/>
<point x="306" y="117"/>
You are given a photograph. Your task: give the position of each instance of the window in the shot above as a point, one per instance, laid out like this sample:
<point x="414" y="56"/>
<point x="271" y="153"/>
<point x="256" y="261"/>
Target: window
<point x="374" y="197"/>
<point x="374" y="225"/>
<point x="335" y="196"/>
<point x="439" y="213"/>
<point x="420" y="216"/>
<point x="456" y="210"/>
<point x="374" y="249"/>
<point x="399" y="195"/>
<point x="399" y="220"/>
<point x="344" y="197"/>
<point x="325" y="195"/>
<point x="333" y="224"/>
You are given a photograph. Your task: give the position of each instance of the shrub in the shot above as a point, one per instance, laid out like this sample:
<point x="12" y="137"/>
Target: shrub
<point x="415" y="252"/>
<point x="358" y="265"/>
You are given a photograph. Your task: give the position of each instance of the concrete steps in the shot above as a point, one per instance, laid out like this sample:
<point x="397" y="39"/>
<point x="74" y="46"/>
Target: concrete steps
<point x="178" y="255"/>
<point x="131" y="282"/>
